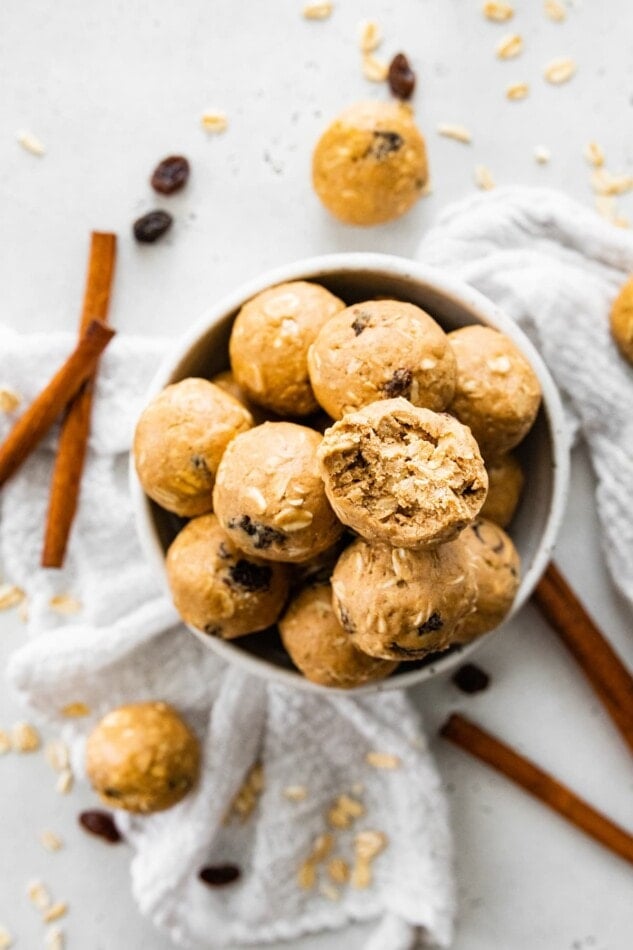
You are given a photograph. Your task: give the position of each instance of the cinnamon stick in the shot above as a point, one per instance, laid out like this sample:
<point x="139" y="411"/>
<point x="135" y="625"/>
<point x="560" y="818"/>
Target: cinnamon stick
<point x="75" y="429"/>
<point x="598" y="660"/>
<point x="538" y="783"/>
<point x="48" y="406"/>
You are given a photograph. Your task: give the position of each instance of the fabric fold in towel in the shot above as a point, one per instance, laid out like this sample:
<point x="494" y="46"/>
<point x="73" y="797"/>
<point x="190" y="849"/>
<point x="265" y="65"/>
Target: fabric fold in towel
<point x="554" y="267"/>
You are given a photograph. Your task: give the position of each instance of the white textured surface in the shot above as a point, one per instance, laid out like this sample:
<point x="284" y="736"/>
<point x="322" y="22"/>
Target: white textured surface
<point x="108" y="92"/>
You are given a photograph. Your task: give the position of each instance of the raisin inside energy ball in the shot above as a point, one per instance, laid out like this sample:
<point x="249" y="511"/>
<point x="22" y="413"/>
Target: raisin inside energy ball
<point x="496" y="566"/>
<point x="179" y="441"/>
<point x="142" y="758"/>
<point x="269" y="345"/>
<point x="321" y="648"/>
<point x="498" y="393"/>
<point x="269" y="495"/>
<point x="370" y="166"/>
<point x="403" y="475"/>
<point x="218" y="589"/>
<point x="400" y="604"/>
<point x="381" y="349"/>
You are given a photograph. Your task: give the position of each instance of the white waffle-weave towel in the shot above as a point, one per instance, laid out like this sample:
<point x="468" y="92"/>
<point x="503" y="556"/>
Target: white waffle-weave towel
<point x="554" y="267"/>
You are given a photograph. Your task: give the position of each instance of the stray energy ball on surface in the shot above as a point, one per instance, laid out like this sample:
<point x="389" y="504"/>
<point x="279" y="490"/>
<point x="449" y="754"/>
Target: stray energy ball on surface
<point x="369" y="165"/>
<point x="321" y="649"/>
<point x="496" y="567"/>
<point x="269" y="345"/>
<point x="142" y="758"/>
<point x="379" y="350"/>
<point x="403" y="475"/>
<point x="179" y="441"/>
<point x="622" y="321"/>
<point x="505" y="484"/>
<point x="218" y="589"/>
<point x="269" y="495"/>
<point x="401" y="604"/>
<point x="498" y="393"/>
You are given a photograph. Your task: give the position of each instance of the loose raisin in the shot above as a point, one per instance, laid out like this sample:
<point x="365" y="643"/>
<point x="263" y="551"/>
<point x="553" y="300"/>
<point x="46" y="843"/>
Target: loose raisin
<point x="471" y="678"/>
<point x="219" y="875"/>
<point x="101" y="824"/>
<point x="170" y="175"/>
<point x="401" y="77"/>
<point x="152" y="226"/>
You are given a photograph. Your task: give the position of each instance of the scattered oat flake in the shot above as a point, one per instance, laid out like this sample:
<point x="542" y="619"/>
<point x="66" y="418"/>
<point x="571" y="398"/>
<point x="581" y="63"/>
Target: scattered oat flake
<point x="542" y="154"/>
<point x="55" y="912"/>
<point x="295" y="793"/>
<point x="510" y="46"/>
<point x="9" y="399"/>
<point x="318" y="11"/>
<point x="498" y="11"/>
<point x="23" y="612"/>
<point x="56" y="754"/>
<point x="5" y="742"/>
<point x="214" y="121"/>
<point x="50" y="841"/>
<point x="374" y="69"/>
<point x="338" y="870"/>
<point x="517" y="90"/>
<point x="10" y="596"/>
<point x="483" y="178"/>
<point x="605" y="183"/>
<point x="330" y="893"/>
<point x="368" y="844"/>
<point x="560" y="70"/>
<point x="456" y="132"/>
<point x="25" y="737"/>
<point x="55" y="939"/>
<point x="38" y="895"/>
<point x="306" y="875"/>
<point x="370" y="36"/>
<point x="383" y="760"/>
<point x="75" y="710"/>
<point x="554" y="10"/>
<point x="6" y="940"/>
<point x="65" y="782"/>
<point x="30" y="143"/>
<point x="594" y="154"/>
<point x="64" y="604"/>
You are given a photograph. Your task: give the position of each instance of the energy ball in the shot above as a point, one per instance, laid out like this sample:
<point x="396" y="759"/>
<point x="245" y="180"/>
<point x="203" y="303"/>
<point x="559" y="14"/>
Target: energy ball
<point x="269" y="496"/>
<point x="226" y="381"/>
<point x="269" y="345"/>
<point x="498" y="393"/>
<point x="179" y="441"/>
<point x="622" y="321"/>
<point x="321" y="649"/>
<point x="142" y="758"/>
<point x="403" y="475"/>
<point x="505" y="484"/>
<point x="400" y="604"/>
<point x="218" y="589"/>
<point x="370" y="166"/>
<point x="381" y="349"/>
<point x="496" y="566"/>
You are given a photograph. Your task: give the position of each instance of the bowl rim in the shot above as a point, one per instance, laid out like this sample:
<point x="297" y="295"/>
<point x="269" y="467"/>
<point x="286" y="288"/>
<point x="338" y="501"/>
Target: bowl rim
<point x="466" y="298"/>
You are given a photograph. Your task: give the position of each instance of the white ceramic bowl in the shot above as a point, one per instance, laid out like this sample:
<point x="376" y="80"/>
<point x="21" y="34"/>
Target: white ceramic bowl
<point x="203" y="351"/>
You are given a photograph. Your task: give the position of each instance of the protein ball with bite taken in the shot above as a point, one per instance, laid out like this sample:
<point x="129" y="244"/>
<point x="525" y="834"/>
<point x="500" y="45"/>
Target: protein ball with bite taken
<point x="496" y="566"/>
<point x="270" y="340"/>
<point x="498" y="393"/>
<point x="219" y="590"/>
<point x="142" y="758"/>
<point x="400" y="604"/>
<point x="379" y="350"/>
<point x="370" y="166"/>
<point x="269" y="495"/>
<point x="505" y="484"/>
<point x="179" y="441"/>
<point x="321" y="648"/>
<point x="403" y="475"/>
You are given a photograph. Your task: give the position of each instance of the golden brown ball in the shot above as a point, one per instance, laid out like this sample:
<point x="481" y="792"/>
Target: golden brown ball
<point x="505" y="484"/>
<point x="622" y="321"/>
